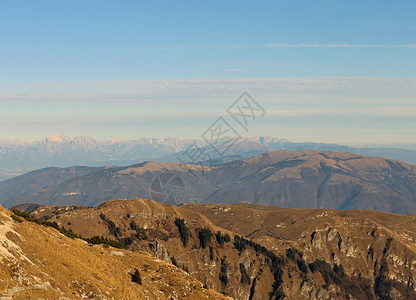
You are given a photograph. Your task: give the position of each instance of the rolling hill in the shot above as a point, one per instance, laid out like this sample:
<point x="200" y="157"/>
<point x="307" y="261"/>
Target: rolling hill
<point x="40" y="179"/>
<point x="296" y="179"/>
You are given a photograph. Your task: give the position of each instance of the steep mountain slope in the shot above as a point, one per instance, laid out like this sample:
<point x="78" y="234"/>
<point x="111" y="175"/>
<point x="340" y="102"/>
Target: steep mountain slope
<point x="150" y="226"/>
<point x="297" y="253"/>
<point x="378" y="247"/>
<point x="298" y="179"/>
<point x="40" y="263"/>
<point x="40" y="179"/>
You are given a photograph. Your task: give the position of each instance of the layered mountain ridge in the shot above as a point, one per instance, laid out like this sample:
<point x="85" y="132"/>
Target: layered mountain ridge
<point x="298" y="179"/>
<point x="18" y="157"/>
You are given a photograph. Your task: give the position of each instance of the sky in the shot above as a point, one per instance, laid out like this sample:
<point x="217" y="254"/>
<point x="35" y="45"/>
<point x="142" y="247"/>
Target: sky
<point x="324" y="71"/>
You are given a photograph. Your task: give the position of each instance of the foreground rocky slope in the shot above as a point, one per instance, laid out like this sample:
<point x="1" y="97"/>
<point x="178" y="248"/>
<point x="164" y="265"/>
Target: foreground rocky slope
<point x="373" y="247"/>
<point x="40" y="263"/>
<point x="271" y="253"/>
<point x="298" y="179"/>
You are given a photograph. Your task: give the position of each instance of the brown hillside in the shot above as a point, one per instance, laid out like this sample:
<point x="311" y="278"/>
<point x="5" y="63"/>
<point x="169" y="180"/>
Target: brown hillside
<point x="40" y="263"/>
<point x="308" y="254"/>
<point x="366" y="243"/>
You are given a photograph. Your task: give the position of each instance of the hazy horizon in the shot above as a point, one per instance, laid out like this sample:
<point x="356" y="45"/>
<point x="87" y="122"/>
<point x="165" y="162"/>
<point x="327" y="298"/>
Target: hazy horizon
<point x="409" y="146"/>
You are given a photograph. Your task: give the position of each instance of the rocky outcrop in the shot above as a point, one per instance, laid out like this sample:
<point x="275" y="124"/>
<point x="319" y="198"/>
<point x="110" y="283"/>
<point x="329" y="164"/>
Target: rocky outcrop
<point x="366" y="254"/>
<point x="160" y="251"/>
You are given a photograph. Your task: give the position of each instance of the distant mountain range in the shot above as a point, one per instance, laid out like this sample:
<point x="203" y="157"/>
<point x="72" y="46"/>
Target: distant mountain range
<point x="296" y="179"/>
<point x="18" y="157"/>
<point x="60" y="151"/>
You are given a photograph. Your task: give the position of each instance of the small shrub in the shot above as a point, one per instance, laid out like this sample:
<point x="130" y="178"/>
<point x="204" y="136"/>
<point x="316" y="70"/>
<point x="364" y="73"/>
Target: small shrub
<point x="135" y="277"/>
<point x="16" y="218"/>
<point x="95" y="240"/>
<point x="219" y="237"/>
<point x="141" y="234"/>
<point x="240" y="243"/>
<point x="114" y="230"/>
<point x="293" y="254"/>
<point x="23" y="215"/>
<point x="245" y="279"/>
<point x="126" y="241"/>
<point x="387" y="247"/>
<point x="302" y="266"/>
<point x="227" y="238"/>
<point x="174" y="262"/>
<point x="133" y="225"/>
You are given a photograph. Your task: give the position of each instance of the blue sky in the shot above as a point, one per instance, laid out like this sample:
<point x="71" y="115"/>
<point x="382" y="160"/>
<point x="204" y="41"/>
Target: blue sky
<point x="80" y="67"/>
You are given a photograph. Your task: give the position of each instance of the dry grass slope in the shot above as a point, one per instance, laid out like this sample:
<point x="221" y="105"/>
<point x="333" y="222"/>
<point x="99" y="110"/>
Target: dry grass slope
<point x="40" y="263"/>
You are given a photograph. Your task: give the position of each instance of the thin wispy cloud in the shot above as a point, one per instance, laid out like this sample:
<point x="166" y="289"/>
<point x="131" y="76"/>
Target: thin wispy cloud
<point x="317" y="45"/>
<point x="188" y="90"/>
<point x="354" y="110"/>
<point x="283" y="45"/>
<point x="169" y="107"/>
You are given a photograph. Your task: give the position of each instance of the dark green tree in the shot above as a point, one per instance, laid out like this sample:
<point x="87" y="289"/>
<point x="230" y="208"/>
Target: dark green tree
<point x="183" y="230"/>
<point x="211" y="253"/>
<point x="205" y="236"/>
<point x="223" y="271"/>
